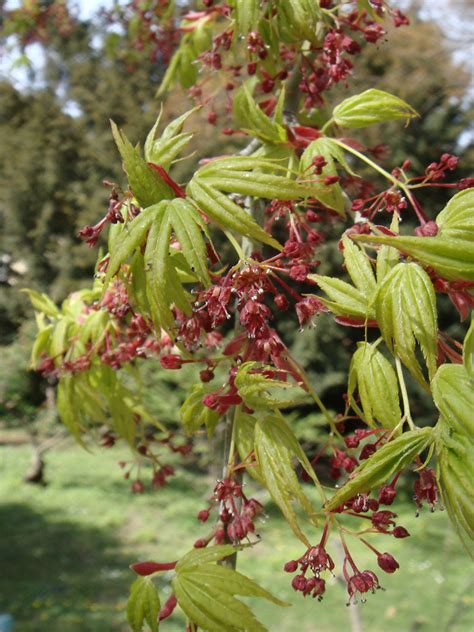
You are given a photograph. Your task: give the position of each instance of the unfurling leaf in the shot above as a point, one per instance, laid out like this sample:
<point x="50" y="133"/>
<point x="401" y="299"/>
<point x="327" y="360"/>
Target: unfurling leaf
<point x="376" y="381"/>
<point x="382" y="465"/>
<point x="370" y="107"/>
<point x="405" y="307"/>
<point x="453" y="394"/>
<point x="205" y="592"/>
<point x="275" y="448"/>
<point x="173" y="140"/>
<point x="143" y="605"/>
<point x="146" y="185"/>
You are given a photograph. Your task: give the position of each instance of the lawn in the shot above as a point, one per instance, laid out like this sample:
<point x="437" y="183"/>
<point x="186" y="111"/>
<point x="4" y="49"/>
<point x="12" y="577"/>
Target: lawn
<point x="65" y="551"/>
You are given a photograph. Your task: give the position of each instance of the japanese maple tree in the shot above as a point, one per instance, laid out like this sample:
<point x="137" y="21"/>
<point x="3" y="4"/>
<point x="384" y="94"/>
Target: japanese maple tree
<point x="263" y="72"/>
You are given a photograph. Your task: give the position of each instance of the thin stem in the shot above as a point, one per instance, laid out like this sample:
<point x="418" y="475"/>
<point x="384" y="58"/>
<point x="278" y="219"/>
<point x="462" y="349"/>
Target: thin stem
<point x="403" y="388"/>
<point x="314" y="395"/>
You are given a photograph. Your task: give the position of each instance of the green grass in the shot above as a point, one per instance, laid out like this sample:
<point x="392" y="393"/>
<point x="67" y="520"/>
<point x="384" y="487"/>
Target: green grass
<point x="65" y="551"/>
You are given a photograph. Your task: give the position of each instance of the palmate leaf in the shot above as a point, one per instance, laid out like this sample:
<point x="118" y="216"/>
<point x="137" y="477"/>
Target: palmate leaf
<point x="275" y="448"/>
<point x="205" y="592"/>
<point x="370" y="107"/>
<point x="161" y="283"/>
<point x="376" y="381"/>
<point x="132" y="237"/>
<point x="383" y="464"/>
<point x="405" y="307"/>
<point x="143" y="605"/>
<point x="146" y="185"/>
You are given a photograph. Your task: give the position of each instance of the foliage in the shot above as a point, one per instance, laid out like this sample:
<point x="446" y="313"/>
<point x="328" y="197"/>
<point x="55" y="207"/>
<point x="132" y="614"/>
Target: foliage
<point x="163" y="288"/>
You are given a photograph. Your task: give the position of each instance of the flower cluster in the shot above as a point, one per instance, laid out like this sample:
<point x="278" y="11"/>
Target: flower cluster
<point x="237" y="514"/>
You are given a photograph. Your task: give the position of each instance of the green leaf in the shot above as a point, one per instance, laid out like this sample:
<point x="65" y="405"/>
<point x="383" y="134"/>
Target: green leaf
<point x="254" y="387"/>
<point x="298" y="19"/>
<point x="405" y="307"/>
<point x="132" y="237"/>
<point x="207" y="555"/>
<point x="187" y="227"/>
<point x="370" y="107"/>
<point x="376" y="381"/>
<point x="345" y="300"/>
<point x="382" y="465"/>
<point x="387" y="257"/>
<point x="455" y="473"/>
<point x="331" y="196"/>
<point x="244" y="437"/>
<point x="157" y="267"/>
<point x="195" y="414"/>
<point x="205" y="592"/>
<point x="452" y="258"/>
<point x="60" y="339"/>
<point x="143" y="605"/>
<point x="275" y="447"/>
<point x="146" y="185"/>
<point x="468" y="350"/>
<point x="227" y="213"/>
<point x="171" y="143"/>
<point x="42" y="303"/>
<point x="359" y="268"/>
<point x="456" y="220"/>
<point x="247" y="16"/>
<point x="41" y="344"/>
<point x="66" y="404"/>
<point x="250" y="118"/>
<point x="453" y="394"/>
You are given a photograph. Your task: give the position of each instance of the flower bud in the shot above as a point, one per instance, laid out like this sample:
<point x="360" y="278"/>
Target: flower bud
<point x="291" y="566"/>
<point x="387" y="563"/>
